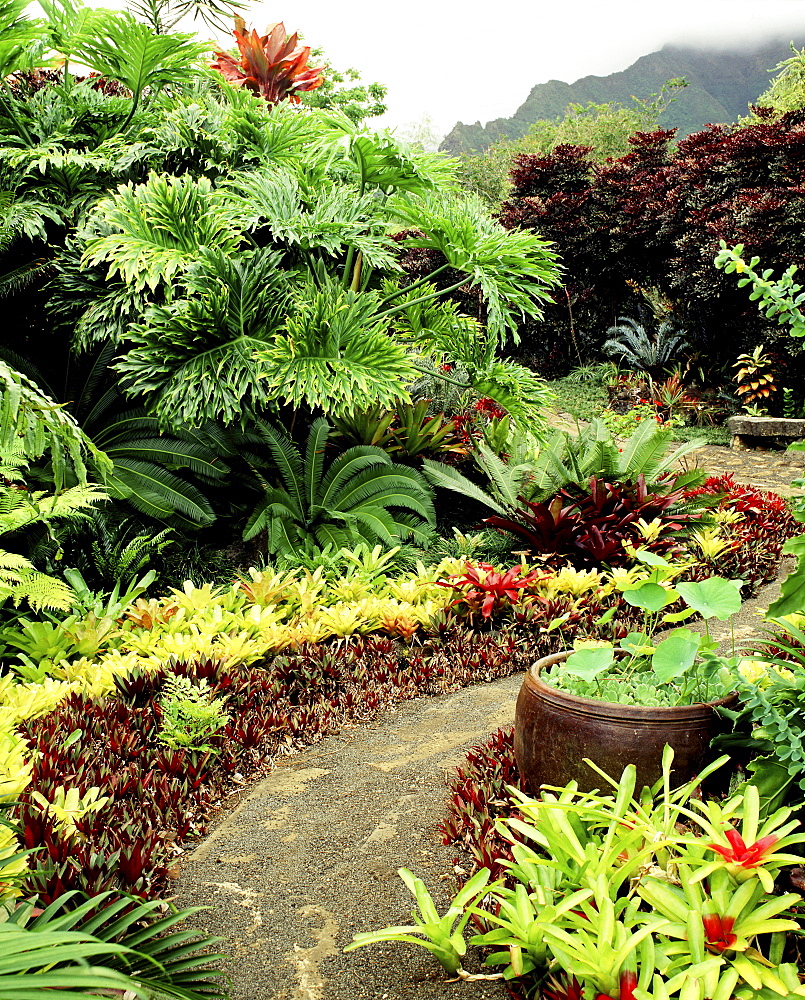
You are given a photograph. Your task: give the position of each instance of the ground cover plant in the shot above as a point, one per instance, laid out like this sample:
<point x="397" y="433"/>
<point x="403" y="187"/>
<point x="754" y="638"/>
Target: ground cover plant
<point x="205" y="686"/>
<point x="706" y="869"/>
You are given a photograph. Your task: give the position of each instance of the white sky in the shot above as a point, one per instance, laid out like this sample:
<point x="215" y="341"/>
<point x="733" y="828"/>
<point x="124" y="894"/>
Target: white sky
<point x="455" y="60"/>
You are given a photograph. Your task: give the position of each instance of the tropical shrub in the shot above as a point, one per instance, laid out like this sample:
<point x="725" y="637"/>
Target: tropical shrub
<point x="348" y="502"/>
<point x="599" y="528"/>
<point x="588" y="909"/>
<point x="753" y="525"/>
<point x="273" y="65"/>
<point x="630" y="345"/>
<point x="653" y="219"/>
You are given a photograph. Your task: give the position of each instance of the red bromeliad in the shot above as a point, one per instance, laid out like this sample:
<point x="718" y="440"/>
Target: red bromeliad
<point x="742" y="854"/>
<point x="273" y="65"/>
<point x="563" y="989"/>
<point x="489" y="589"/>
<point x="718" y="932"/>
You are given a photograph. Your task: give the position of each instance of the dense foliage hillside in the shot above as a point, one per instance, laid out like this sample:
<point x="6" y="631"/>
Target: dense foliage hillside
<point x="721" y="84"/>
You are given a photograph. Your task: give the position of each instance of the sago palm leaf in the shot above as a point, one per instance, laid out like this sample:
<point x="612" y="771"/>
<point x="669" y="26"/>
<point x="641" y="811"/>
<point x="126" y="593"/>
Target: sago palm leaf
<point x="314" y="459"/>
<point x="156" y="491"/>
<point x="27" y="961"/>
<point x="508" y="481"/>
<point x="151" y="950"/>
<point x="646" y="452"/>
<point x="386" y="486"/>
<point x="376" y="522"/>
<point x="276" y="506"/>
<point x="289" y="462"/>
<point x="448" y="478"/>
<point x="345" y="467"/>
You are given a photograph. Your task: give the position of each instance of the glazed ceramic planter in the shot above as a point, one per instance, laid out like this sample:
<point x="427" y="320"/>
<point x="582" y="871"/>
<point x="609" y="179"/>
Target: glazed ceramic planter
<point x="554" y="731"/>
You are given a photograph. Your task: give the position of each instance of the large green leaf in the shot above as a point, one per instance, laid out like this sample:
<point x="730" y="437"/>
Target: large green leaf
<point x="150" y="233"/>
<point x="17" y="34"/>
<point x="676" y="654"/>
<point x="792" y="596"/>
<point x="119" y="47"/>
<point x="335" y="350"/>
<point x="515" y="270"/>
<point x="714" y="597"/>
<point x="195" y="360"/>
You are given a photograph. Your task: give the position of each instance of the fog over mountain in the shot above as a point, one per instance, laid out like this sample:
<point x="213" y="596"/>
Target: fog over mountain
<point x="722" y="82"/>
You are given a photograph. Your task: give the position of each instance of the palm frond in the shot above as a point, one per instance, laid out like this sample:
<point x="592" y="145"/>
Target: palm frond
<point x="156" y="491"/>
<point x="287" y="459"/>
<point x="448" y="478"/>
<point x="345" y="467"/>
<point x="314" y="459"/>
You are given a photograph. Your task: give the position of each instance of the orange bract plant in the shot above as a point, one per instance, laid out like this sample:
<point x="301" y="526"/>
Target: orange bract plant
<point x="273" y="65"/>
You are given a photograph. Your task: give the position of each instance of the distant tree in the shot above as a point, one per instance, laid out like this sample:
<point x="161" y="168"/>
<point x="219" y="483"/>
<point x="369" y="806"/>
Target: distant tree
<point x="786" y="92"/>
<point x="651" y="222"/>
<point x="603" y="128"/>
<point x="345" y="90"/>
<point x="423" y="134"/>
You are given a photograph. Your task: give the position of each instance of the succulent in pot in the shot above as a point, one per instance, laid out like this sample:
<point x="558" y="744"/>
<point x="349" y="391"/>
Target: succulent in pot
<point x="622" y="704"/>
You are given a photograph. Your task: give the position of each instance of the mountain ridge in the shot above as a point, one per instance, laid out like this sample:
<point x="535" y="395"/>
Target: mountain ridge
<point x="722" y="83"/>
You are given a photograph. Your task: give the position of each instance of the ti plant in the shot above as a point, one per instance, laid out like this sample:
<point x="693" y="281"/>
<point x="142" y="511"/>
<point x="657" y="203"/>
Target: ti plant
<point x="755" y="378"/>
<point x="272" y="65"/>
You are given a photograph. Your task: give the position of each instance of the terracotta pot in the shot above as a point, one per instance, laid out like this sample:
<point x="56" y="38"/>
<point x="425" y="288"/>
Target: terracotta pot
<point x="554" y="731"/>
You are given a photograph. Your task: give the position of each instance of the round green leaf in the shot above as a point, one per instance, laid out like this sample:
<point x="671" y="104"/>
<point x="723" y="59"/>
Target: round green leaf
<point x="714" y="597"/>
<point x="650" y="597"/>
<point x="589" y="663"/>
<point x="676" y="654"/>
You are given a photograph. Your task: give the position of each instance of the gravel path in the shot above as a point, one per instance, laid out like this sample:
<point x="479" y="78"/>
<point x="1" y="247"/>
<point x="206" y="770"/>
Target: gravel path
<point x="310" y="857"/>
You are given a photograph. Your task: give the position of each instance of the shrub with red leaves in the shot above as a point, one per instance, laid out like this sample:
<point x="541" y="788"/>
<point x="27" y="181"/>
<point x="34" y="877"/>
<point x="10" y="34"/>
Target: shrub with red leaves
<point x="590" y="531"/>
<point x="653" y="219"/>
<point x="158" y="797"/>
<point x="766" y="524"/>
<point x="478" y="798"/>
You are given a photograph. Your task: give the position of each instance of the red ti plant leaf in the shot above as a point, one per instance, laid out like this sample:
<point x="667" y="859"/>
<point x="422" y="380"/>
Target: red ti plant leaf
<point x="273" y="65"/>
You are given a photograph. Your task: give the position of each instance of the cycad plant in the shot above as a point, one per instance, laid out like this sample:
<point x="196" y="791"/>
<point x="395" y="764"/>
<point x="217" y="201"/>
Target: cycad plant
<point x="111" y="945"/>
<point x="361" y="496"/>
<point x="632" y="346"/>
